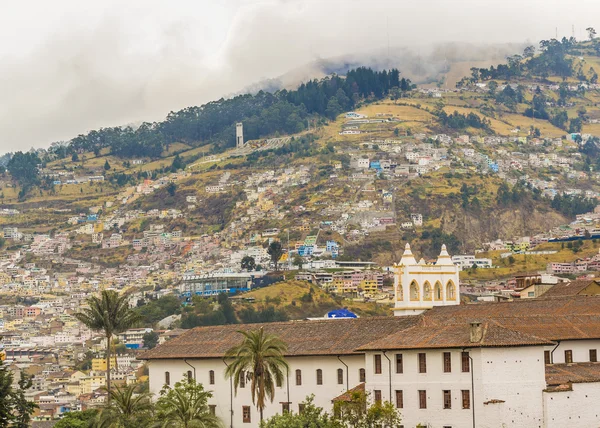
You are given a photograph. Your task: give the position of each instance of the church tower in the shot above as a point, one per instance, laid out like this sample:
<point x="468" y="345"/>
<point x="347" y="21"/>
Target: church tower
<point x="420" y="286"/>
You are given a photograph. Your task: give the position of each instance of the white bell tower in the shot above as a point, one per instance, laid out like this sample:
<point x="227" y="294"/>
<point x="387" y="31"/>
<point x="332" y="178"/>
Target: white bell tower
<point x="420" y="286"/>
<point x="239" y="135"/>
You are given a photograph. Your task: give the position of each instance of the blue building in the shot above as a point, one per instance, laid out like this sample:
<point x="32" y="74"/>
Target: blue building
<point x="333" y="248"/>
<point x="305" y="250"/>
<point x="376" y="165"/>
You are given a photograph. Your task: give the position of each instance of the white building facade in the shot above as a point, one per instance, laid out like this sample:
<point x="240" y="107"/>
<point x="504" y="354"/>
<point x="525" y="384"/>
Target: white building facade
<point x="420" y="286"/>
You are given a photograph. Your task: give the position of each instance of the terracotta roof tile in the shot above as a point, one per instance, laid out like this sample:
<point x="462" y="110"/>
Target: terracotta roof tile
<point x="568" y="288"/>
<point x="564" y="374"/>
<point x="327" y="337"/>
<point x="347" y="396"/>
<point x="559" y="318"/>
<point x="423" y="336"/>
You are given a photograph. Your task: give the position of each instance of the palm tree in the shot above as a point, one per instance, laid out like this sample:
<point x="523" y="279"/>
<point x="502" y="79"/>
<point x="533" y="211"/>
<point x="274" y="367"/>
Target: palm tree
<point x="259" y="358"/>
<point x="110" y="314"/>
<point x="127" y="409"/>
<point x="185" y="406"/>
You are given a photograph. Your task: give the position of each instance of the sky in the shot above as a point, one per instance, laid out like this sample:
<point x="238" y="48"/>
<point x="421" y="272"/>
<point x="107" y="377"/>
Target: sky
<point x="69" y="66"/>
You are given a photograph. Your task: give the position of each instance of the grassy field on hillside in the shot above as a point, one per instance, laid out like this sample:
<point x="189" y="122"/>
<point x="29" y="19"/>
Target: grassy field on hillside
<point x="293" y="297"/>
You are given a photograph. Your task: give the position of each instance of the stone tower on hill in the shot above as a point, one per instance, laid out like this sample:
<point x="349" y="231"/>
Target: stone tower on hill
<point x="239" y="135"/>
<point x="420" y="286"/>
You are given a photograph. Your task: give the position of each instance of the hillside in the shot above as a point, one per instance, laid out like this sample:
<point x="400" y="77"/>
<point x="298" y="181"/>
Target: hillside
<point x="478" y="163"/>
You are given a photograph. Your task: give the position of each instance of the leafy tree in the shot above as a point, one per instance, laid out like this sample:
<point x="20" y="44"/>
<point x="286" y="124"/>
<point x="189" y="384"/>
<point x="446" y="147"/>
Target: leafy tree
<point x="260" y="360"/>
<point x="356" y="413"/>
<point x="75" y="157"/>
<point x="106" y="165"/>
<point x="150" y="339"/>
<point x="84" y="419"/>
<point x="575" y="125"/>
<point x="248" y="263"/>
<point x="185" y="406"/>
<point x="529" y="52"/>
<point x="269" y="314"/>
<point x="127" y="409"/>
<point x="111" y="315"/>
<point x="155" y="310"/>
<point x="560" y="119"/>
<point x="275" y="250"/>
<point x="333" y="108"/>
<point x="171" y="188"/>
<point x="298" y="261"/>
<point x="227" y="308"/>
<point x="263" y="114"/>
<point x="591" y="32"/>
<point x="311" y="417"/>
<point x="15" y="409"/>
<point x="23" y="168"/>
<point x="177" y="164"/>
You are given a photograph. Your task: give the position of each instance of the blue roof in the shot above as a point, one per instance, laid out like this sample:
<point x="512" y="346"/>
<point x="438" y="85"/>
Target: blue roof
<point x="341" y="313"/>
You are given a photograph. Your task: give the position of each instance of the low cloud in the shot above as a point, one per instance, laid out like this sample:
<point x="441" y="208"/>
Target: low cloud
<point x="105" y="65"/>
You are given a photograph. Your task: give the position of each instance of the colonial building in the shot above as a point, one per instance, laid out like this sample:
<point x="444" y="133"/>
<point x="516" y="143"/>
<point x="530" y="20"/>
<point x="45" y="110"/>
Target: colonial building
<point x="525" y="363"/>
<point x="420" y="286"/>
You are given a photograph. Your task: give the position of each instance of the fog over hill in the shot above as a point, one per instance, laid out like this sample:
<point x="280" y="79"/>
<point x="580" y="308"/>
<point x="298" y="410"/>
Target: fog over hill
<point x="71" y="66"/>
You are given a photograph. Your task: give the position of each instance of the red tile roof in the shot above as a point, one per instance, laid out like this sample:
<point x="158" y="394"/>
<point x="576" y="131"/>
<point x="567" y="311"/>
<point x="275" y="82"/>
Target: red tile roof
<point x="516" y="323"/>
<point x="568" y="288"/>
<point x="348" y="395"/>
<point x="559" y="318"/>
<point x="565" y="374"/>
<point x="430" y="336"/>
<point x="327" y="337"/>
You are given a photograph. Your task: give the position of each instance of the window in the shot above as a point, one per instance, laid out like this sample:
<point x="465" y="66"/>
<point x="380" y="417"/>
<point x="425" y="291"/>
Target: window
<point x="167" y="378"/>
<point x="466" y="399"/>
<point x="301" y="407"/>
<point x="547" y="357"/>
<point x="377" y="364"/>
<point x="212" y="408"/>
<point x="362" y="376"/>
<point x="319" y="377"/>
<point x="340" y="376"/>
<point x="447" y="362"/>
<point x="593" y="356"/>
<point x="285" y="407"/>
<point x="531" y="294"/>
<point x="422" y="399"/>
<point x="568" y="356"/>
<point x="278" y="382"/>
<point x="377" y="394"/>
<point x="246" y="414"/>
<point x="399" y="365"/>
<point x="422" y="363"/>
<point x="447" y="399"/>
<point x="211" y="377"/>
<point x="298" y="377"/>
<point x="399" y="399"/>
<point x="466" y="364"/>
<point x="242" y="379"/>
<point x="190" y="376"/>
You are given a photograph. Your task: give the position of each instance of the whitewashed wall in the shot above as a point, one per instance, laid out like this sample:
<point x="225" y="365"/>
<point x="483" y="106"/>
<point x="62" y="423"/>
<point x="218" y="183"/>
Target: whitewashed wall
<point x="576" y="408"/>
<point x="221" y="389"/>
<point x="513" y="375"/>
<point x="580" y="348"/>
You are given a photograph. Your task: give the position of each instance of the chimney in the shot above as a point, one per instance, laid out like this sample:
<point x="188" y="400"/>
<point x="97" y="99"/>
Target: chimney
<point x="475" y="332"/>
